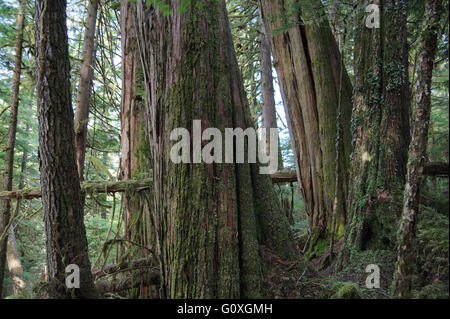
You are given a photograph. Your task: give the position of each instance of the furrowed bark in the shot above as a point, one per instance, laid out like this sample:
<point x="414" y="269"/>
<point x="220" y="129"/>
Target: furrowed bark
<point x="308" y="63"/>
<point x="85" y="86"/>
<point x="380" y="133"/>
<point x="10" y="145"/>
<point x="135" y="153"/>
<point x="65" y="234"/>
<point x="222" y="212"/>
<point x="417" y="153"/>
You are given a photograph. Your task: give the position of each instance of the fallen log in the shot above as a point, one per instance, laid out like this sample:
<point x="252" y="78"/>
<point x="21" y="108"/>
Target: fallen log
<point x="146" y="279"/>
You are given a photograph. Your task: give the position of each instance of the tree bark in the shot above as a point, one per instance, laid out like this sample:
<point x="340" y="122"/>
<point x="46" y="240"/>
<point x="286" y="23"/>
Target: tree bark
<point x="209" y="218"/>
<point x="380" y="132"/>
<point x="135" y="153"/>
<point x="417" y="152"/>
<point x="308" y="63"/>
<point x="14" y="264"/>
<point x="65" y="234"/>
<point x="85" y="86"/>
<point x="10" y="144"/>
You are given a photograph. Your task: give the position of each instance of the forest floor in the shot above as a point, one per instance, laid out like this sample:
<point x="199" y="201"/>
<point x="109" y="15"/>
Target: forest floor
<point x="316" y="278"/>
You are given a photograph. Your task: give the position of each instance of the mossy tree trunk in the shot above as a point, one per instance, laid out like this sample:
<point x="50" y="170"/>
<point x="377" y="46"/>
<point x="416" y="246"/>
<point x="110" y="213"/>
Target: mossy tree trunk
<point x="10" y="145"/>
<point x="380" y="127"/>
<point x="65" y="234"/>
<point x="418" y="150"/>
<point x="308" y="63"/>
<point x="210" y="219"/>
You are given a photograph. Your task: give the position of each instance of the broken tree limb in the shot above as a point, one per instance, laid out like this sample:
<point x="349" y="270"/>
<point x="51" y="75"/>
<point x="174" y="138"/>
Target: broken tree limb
<point x="431" y="169"/>
<point x="284" y="177"/>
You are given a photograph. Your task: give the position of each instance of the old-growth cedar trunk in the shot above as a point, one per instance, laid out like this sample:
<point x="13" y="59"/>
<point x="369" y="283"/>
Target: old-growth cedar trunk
<point x="85" y="85"/>
<point x="211" y="219"/>
<point x="10" y="144"/>
<point x="417" y="152"/>
<point x="65" y="234"/>
<point x="308" y="63"/>
<point x="380" y="126"/>
<point x="269" y="112"/>
<point x="135" y="158"/>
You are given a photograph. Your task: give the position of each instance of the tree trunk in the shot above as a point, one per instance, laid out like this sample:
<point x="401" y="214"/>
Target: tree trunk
<point x="12" y="255"/>
<point x="135" y="153"/>
<point x="269" y="112"/>
<point x="209" y="218"/>
<point x="418" y="150"/>
<point x="308" y="63"/>
<point x="380" y="132"/>
<point x="14" y="264"/>
<point x="10" y="144"/>
<point x="85" y="86"/>
<point x="65" y="234"/>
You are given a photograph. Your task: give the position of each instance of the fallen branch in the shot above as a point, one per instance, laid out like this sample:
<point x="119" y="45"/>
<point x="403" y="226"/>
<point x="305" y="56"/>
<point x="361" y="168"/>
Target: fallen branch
<point x="436" y="169"/>
<point x="284" y="177"/>
<point x="125" y="266"/>
<point x="87" y="187"/>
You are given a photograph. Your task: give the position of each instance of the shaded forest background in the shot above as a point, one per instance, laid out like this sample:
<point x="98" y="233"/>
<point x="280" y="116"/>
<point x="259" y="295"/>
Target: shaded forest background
<point x="109" y="227"/>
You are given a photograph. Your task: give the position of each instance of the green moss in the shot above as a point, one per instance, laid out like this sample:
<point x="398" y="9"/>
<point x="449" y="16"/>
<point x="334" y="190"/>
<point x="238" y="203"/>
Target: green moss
<point x="346" y="290"/>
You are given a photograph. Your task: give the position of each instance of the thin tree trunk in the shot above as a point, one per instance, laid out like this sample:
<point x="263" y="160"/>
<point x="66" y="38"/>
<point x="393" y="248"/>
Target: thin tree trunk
<point x="418" y="150"/>
<point x="10" y="144"/>
<point x="14" y="262"/>
<point x="269" y="112"/>
<point x="307" y="60"/>
<point x="381" y="133"/>
<point x="85" y="86"/>
<point x="65" y="234"/>
<point x="210" y="219"/>
<point x="135" y="153"/>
